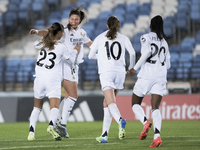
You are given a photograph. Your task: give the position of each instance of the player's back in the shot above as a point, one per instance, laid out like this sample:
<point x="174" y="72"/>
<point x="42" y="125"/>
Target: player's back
<point x="111" y="53"/>
<point x="49" y="62"/>
<point x="155" y="65"/>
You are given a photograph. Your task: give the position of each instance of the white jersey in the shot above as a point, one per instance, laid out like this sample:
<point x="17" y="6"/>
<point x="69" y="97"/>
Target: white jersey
<point x="111" y="53"/>
<point x="49" y="62"/>
<point x="155" y="57"/>
<point x="73" y="37"/>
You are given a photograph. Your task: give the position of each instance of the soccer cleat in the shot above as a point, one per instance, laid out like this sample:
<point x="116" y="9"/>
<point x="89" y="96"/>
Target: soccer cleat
<point x="145" y="131"/>
<point x="55" y="135"/>
<point x="157" y="142"/>
<point x="102" y="139"/>
<point x="122" y="125"/>
<point x="61" y="130"/>
<point x="30" y="138"/>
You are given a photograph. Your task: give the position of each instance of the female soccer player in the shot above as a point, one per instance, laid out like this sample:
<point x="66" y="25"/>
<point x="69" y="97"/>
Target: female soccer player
<point x="152" y="77"/>
<point x="111" y="68"/>
<point x="48" y="75"/>
<point x="73" y="35"/>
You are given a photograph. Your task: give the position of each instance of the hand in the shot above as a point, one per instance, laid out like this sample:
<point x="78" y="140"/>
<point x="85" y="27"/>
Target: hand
<point x="73" y="68"/>
<point x="76" y="63"/>
<point x="77" y="47"/>
<point x="32" y="31"/>
<point x="131" y="71"/>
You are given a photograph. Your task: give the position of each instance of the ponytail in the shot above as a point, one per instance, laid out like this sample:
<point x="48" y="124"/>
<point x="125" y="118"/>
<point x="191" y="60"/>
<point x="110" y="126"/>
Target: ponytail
<point x="113" y="25"/>
<point x="157" y="27"/>
<point x="48" y="40"/>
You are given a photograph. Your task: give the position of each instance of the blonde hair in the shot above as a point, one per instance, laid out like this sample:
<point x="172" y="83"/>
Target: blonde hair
<point x="48" y="40"/>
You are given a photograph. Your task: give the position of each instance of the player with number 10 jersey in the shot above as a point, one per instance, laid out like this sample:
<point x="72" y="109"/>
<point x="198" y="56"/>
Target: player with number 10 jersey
<point x="111" y="52"/>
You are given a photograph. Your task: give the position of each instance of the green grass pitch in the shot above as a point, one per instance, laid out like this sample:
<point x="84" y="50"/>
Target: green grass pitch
<point x="176" y="135"/>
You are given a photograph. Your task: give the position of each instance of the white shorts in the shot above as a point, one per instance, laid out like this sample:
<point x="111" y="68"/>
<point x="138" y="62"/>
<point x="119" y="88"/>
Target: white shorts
<point x="113" y="80"/>
<point x="144" y="86"/>
<point x="47" y="87"/>
<point x="68" y="75"/>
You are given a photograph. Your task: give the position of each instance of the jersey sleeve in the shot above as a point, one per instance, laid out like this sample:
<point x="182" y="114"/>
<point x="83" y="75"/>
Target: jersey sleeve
<point x="68" y="58"/>
<point x="93" y="49"/>
<point x="168" y="63"/>
<point x="145" y="51"/>
<point x="65" y="51"/>
<point x="86" y="39"/>
<point x="36" y="44"/>
<point x="62" y="39"/>
<point x="131" y="51"/>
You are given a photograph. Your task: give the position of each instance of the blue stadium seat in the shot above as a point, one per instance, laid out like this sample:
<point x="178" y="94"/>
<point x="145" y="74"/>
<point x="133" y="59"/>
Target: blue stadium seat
<point x="168" y="30"/>
<point x="174" y="48"/>
<point x="27" y="1"/>
<point x="171" y="74"/>
<point x="27" y="65"/>
<point x="95" y="1"/>
<point x="24" y="6"/>
<point x="195" y="73"/>
<point x="12" y="7"/>
<point x="185" y="57"/>
<point x="37" y="8"/>
<point x="53" y="4"/>
<point x="133" y="8"/>
<point x="119" y="11"/>
<point x="90" y="70"/>
<point x="65" y="14"/>
<point x="121" y="5"/>
<point x="185" y="64"/>
<point x="188" y="44"/>
<point x="12" y="64"/>
<point x="89" y="27"/>
<point x="93" y="21"/>
<point x="39" y="24"/>
<point x="174" y="57"/>
<point x="10" y="22"/>
<point x="130" y="18"/>
<point x="55" y="14"/>
<point x="145" y="9"/>
<point x="10" y="76"/>
<point x="104" y="15"/>
<point x="182" y="73"/>
<point x="23" y="76"/>
<point x="24" y="17"/>
<point x="52" y="20"/>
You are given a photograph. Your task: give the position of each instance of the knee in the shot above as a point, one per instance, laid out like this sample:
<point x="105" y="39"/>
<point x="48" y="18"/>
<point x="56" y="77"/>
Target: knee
<point x="133" y="103"/>
<point x="74" y="95"/>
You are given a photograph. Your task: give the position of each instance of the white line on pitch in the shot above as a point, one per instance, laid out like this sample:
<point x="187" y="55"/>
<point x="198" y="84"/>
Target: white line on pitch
<point x="72" y="145"/>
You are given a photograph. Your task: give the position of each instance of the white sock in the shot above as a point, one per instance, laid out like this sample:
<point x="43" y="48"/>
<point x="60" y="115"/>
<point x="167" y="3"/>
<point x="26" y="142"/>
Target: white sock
<point x="115" y="112"/>
<point x="139" y="113"/>
<point x="61" y="109"/>
<point x="67" y="108"/>
<point x="54" y="113"/>
<point x="157" y="120"/>
<point x="33" y="119"/>
<point x="107" y="119"/>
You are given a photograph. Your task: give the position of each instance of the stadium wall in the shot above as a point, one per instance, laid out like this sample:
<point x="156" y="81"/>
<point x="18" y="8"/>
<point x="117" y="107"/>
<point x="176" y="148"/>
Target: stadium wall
<point x="90" y="108"/>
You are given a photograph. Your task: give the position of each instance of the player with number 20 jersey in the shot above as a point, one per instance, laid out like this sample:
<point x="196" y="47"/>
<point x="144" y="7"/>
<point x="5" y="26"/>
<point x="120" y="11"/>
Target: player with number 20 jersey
<point x="155" y="59"/>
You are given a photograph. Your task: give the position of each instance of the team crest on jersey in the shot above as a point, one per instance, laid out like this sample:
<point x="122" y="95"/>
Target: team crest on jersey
<point x="81" y="33"/>
<point x="143" y="39"/>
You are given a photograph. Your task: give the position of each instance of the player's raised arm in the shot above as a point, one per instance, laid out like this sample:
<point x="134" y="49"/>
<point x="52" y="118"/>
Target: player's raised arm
<point x="38" y="32"/>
